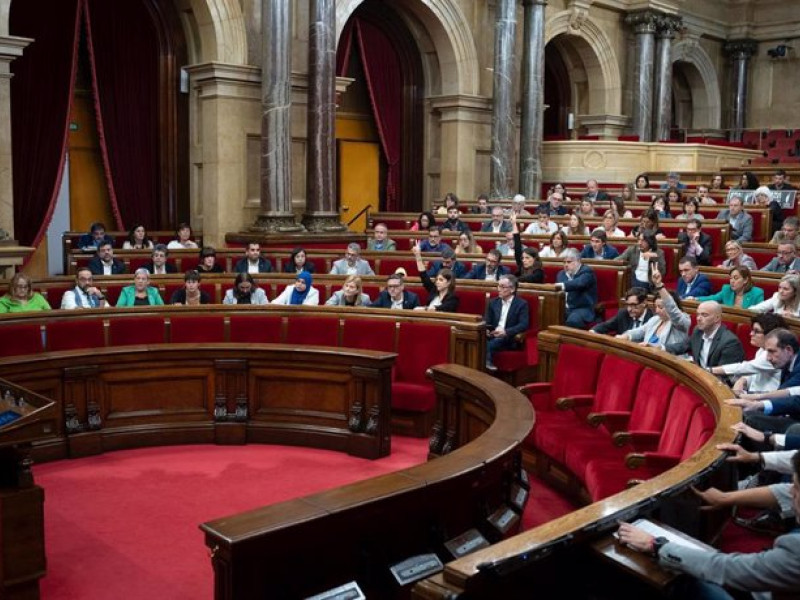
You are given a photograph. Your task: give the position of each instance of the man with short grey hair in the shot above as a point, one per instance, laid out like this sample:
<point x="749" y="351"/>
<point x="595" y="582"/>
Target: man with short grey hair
<point x="580" y="284"/>
<point x="352" y="263"/>
<point x="741" y="223"/>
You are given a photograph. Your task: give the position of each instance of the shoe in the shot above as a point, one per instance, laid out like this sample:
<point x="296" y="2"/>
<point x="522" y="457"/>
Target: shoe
<point x="767" y="522"/>
<point x="490" y="367"/>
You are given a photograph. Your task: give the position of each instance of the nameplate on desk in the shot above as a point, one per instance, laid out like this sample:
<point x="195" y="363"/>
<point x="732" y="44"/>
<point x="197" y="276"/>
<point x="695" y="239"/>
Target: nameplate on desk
<point x="348" y="591"/>
<point x="416" y="568"/>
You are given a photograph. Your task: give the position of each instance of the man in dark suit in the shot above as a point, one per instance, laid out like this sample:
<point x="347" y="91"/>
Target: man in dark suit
<point x="696" y="243"/>
<point x="252" y="261"/>
<point x="104" y="262"/>
<point x="692" y="282"/>
<point x="580" y="283"/>
<point x="448" y="261"/>
<point x="490" y="270"/>
<point x="97" y="234"/>
<point x="159" y="265"/>
<point x="635" y="314"/>
<point x="395" y="295"/>
<point x="497" y="224"/>
<point x="711" y="343"/>
<point x="506" y="317"/>
<point x="598" y="247"/>
<point x="594" y="193"/>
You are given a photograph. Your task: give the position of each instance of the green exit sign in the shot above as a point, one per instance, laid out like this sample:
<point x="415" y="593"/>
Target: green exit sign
<point x="73" y="126"/>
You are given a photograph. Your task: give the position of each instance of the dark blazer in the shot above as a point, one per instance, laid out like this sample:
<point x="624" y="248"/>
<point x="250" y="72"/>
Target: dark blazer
<point x="457" y="225"/>
<point x="726" y="348"/>
<point x="87" y="241"/>
<point x="705" y="243"/>
<point x="621" y="322"/>
<point x="609" y="252"/>
<point x="581" y="289"/>
<point x="264" y="265"/>
<point x="410" y="300"/>
<point x="217" y="268"/>
<point x="96" y="266"/>
<point x="517" y="319"/>
<point x="700" y="287"/>
<point x="792" y="378"/>
<point x="458" y="269"/>
<point x="179" y="297"/>
<point x="479" y="272"/>
<point x="599" y="197"/>
<point x="505" y="226"/>
<point x="168" y="267"/>
<point x="536" y="276"/>
<point x="288" y="267"/>
<point x="554" y="212"/>
<point x="450" y="302"/>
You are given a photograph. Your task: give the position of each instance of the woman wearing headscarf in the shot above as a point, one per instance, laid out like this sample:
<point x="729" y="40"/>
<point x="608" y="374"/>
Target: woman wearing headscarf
<point x="300" y="292"/>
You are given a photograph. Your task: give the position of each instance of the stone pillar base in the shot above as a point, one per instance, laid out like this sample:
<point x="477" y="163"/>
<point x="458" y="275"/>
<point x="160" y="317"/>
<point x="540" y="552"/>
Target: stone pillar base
<point x="323" y="223"/>
<point x="275" y="224"/>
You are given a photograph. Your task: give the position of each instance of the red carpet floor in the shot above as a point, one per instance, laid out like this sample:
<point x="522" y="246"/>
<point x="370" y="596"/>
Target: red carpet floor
<point x="124" y="525"/>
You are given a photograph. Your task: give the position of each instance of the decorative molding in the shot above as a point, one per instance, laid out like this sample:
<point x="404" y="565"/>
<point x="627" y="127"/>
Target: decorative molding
<point x="744" y="48"/>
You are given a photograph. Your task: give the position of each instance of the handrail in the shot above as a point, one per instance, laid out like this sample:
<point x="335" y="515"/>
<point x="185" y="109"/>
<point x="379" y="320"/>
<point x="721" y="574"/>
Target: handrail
<point x="358" y="214"/>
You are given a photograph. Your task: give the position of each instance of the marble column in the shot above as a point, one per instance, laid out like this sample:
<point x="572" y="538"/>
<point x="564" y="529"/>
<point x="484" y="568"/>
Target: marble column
<point x="321" y="212"/>
<point x="503" y="128"/>
<point x="740" y="52"/>
<point x="666" y="27"/>
<point x="276" y="159"/>
<point x="10" y="48"/>
<point x="530" y="143"/>
<point x="644" y="24"/>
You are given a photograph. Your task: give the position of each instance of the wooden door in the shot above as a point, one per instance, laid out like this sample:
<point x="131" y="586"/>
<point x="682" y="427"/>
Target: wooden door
<point x="359" y="181"/>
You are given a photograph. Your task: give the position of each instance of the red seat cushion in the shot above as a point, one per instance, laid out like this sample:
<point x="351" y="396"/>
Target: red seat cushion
<point x="369" y="334"/>
<point x="413" y="396"/>
<point x="472" y="302"/>
<point x="25" y="338"/>
<point x="125" y="331"/>
<point x="197" y="330"/>
<point x="255" y="329"/>
<point x="419" y="347"/>
<point x="74" y="334"/>
<point x="313" y="331"/>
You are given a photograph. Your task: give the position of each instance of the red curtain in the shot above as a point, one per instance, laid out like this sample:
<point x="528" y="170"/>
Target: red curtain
<point x="124" y="56"/>
<point x="41" y="95"/>
<point x="384" y="79"/>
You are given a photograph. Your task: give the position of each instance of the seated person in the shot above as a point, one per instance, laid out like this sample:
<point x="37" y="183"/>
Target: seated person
<point x="696" y="242"/>
<point x="424" y="222"/>
<point x="490" y="270"/>
<point x="380" y="241"/>
<point x="507" y="248"/>
<point x="506" y="317"/>
<point x="668" y="330"/>
<point x="786" y="261"/>
<point x="301" y="292"/>
<point x="85" y="294"/>
<point x="395" y="295"/>
<point x="757" y="375"/>
<point x="450" y="201"/>
<point x="466" y="244"/>
<point x="640" y="256"/>
<point x="711" y="343"/>
<point x="788" y="232"/>
<point x="739" y="292"/>
<point x="554" y="206"/>
<point x="557" y="247"/>
<point x="482" y="206"/>
<point x="441" y="291"/>
<point x="137" y="239"/>
<point x="529" y="265"/>
<point x="617" y="205"/>
<point x="575" y="226"/>
<point x="497" y="224"/>
<point x="104" y="262"/>
<point x="786" y="301"/>
<point x="692" y="283"/>
<point x="610" y="222"/>
<point x="648" y="222"/>
<point x="350" y="294"/>
<point x="97" y="235"/>
<point x="190" y="294"/>
<point x="298" y="261"/>
<point x="779" y="181"/>
<point x="141" y="293"/>
<point x="673" y="181"/>
<point x="158" y="264"/>
<point x="660" y="205"/>
<point x="598" y="247"/>
<point x="518" y="206"/>
<point x="586" y="209"/>
<point x="561" y="190"/>
<point x="542" y="225"/>
<point x="453" y="223"/>
<point x="717" y="183"/>
<point x="635" y="315"/>
<point x="593" y="192"/>
<point x="245" y="291"/>
<point x="208" y="261"/>
<point x="448" y="261"/>
<point x="434" y="242"/>
<point x="252" y="261"/>
<point x="737" y="257"/>
<point x="763" y="197"/>
<point x="705" y="198"/>
<point x="352" y="263"/>
<point x="642" y="182"/>
<point x="690" y="208"/>
<point x="741" y="223"/>
<point x="21" y="297"/>
<point x="184" y="238"/>
<point x="580" y="283"/>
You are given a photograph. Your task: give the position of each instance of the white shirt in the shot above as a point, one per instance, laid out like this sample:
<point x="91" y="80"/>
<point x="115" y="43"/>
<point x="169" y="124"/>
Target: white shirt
<point x="643" y="268"/>
<point x="759" y="373"/>
<point x="501" y="324"/>
<point x="397" y="303"/>
<point x="69" y="300"/>
<point x="708" y="339"/>
<point x="535" y="228"/>
<point x="252" y="268"/>
<point x="162" y="270"/>
<point x="176" y="245"/>
<point x="107" y="268"/>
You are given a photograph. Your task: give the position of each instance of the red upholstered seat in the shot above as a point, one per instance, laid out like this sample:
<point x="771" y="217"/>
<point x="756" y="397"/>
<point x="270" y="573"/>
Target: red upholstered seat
<point x="742" y="331"/>
<point x="137" y="262"/>
<point x="472" y="302"/>
<point x="197" y="330"/>
<point x="74" y="334"/>
<point x="25" y="338"/>
<point x="112" y="291"/>
<point x="126" y="331"/>
<point x="419" y="347"/>
<point x="54" y="294"/>
<point x="187" y="263"/>
<point x="255" y="329"/>
<point x="387" y="266"/>
<point x="509" y="361"/>
<point x="576" y="373"/>
<point x="369" y="334"/>
<point x="313" y="331"/>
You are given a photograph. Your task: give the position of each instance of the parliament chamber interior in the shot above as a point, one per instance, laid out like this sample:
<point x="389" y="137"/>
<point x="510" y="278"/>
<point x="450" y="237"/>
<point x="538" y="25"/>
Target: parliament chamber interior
<point x="521" y="278"/>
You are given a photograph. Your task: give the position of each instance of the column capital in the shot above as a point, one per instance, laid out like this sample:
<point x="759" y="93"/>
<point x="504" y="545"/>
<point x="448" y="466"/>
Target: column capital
<point x="668" y="25"/>
<point x="532" y="2"/>
<point x="744" y="48"/>
<point x="643" y="21"/>
<point x="12" y="46"/>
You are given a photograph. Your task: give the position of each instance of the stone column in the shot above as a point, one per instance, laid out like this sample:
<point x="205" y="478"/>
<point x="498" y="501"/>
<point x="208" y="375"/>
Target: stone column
<point x="740" y="52"/>
<point x="321" y="213"/>
<point x="644" y="24"/>
<point x="503" y="129"/>
<point x="276" y="159"/>
<point x="10" y="48"/>
<point x="530" y="143"/>
<point x="666" y="26"/>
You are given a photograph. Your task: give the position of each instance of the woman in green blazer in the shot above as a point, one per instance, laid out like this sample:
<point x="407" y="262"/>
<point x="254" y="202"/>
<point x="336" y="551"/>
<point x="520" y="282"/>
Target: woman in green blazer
<point x="740" y="292"/>
<point x="140" y="293"/>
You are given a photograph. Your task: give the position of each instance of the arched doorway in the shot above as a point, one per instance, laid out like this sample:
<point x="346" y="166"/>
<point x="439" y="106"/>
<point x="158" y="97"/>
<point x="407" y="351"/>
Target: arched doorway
<point x="384" y="104"/>
<point x="557" y="96"/>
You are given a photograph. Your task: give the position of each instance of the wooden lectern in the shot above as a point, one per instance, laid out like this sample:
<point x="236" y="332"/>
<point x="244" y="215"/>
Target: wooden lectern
<point x="24" y="418"/>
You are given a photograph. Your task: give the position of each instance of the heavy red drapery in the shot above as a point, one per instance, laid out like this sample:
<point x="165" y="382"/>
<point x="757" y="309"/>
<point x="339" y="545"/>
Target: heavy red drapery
<point x="41" y="96"/>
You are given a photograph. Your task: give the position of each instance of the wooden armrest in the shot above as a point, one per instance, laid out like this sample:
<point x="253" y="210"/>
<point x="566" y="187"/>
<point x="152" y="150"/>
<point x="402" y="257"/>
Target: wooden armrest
<point x="521" y="337"/>
<point x="529" y="388"/>
<point x="634" y="460"/>
<point x="568" y="402"/>
<point x="595" y="419"/>
<point x="616" y="421"/>
<point x="661" y="461"/>
<point x="641" y="440"/>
